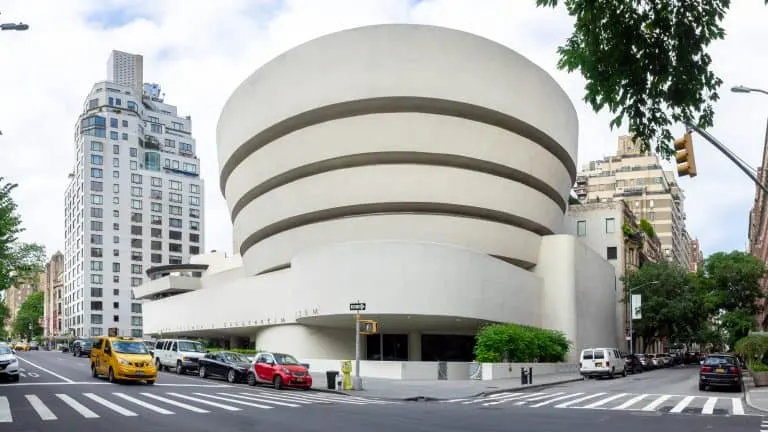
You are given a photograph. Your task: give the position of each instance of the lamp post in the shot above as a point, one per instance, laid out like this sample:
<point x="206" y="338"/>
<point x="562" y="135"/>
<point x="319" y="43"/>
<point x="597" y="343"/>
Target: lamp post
<point x="632" y="313"/>
<point x="745" y="89"/>
<point x="14" y="26"/>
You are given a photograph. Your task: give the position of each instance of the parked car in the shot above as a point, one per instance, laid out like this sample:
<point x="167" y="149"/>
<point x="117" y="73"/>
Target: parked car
<point x="180" y="354"/>
<point x="34" y="346"/>
<point x="20" y="346"/>
<point x="645" y="362"/>
<point x="225" y="364"/>
<point x="721" y="370"/>
<point x="81" y="347"/>
<point x="633" y="364"/>
<point x="280" y="370"/>
<point x="595" y="362"/>
<point x="9" y="364"/>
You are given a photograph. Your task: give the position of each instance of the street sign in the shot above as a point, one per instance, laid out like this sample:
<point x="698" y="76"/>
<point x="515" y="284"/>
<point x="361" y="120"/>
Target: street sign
<point x="356" y="307"/>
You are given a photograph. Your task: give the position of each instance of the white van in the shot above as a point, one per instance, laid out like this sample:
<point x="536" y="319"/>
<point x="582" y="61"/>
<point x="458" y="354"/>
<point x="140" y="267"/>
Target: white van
<point x="601" y="362"/>
<point x="180" y="354"/>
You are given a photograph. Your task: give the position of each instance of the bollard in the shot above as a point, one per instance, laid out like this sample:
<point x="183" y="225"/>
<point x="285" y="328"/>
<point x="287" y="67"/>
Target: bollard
<point x="523" y="376"/>
<point x="530" y="375"/>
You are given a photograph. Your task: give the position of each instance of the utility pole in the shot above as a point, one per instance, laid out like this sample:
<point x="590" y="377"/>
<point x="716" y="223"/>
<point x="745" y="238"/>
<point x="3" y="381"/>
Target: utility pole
<point x="356" y="307"/>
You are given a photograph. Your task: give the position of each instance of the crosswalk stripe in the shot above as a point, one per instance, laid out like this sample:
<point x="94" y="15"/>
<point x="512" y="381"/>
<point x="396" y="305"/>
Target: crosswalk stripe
<point x="204" y="402"/>
<point x="325" y="399"/>
<point x="736" y="406"/>
<point x="141" y="403"/>
<point x="40" y="408"/>
<point x="682" y="404"/>
<point x="630" y="402"/>
<point x="267" y="397"/>
<point x="709" y="406"/>
<point x="251" y="398"/>
<point x="176" y="403"/>
<point x="519" y="396"/>
<point x="575" y="401"/>
<point x="489" y="398"/>
<point x="114" y="407"/>
<point x="655" y="404"/>
<point x="5" y="410"/>
<point x="234" y="401"/>
<point x="604" y="401"/>
<point x="547" y="402"/>
<point x="77" y="406"/>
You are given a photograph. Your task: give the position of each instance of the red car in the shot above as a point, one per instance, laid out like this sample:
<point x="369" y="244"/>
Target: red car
<point x="280" y="370"/>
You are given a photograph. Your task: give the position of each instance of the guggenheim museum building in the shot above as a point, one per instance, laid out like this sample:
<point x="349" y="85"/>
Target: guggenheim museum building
<point x="420" y="170"/>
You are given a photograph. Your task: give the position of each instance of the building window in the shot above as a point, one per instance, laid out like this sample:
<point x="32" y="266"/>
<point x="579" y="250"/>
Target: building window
<point x="611" y="253"/>
<point x="136" y="204"/>
<point x="195" y="189"/>
<point x="97" y="146"/>
<point x="581" y="228"/>
<point x="610" y="225"/>
<point x="136" y="178"/>
<point x="97" y="173"/>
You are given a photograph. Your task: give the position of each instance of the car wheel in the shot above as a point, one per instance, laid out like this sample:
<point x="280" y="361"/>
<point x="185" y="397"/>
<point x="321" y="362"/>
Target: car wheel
<point x="251" y="379"/>
<point x="278" y="382"/>
<point x="624" y="372"/>
<point x="150" y="382"/>
<point x="158" y="365"/>
<point x="202" y="372"/>
<point x="179" y="368"/>
<point x="231" y="376"/>
<point x="702" y="387"/>
<point x="15" y="378"/>
<point x="111" y="376"/>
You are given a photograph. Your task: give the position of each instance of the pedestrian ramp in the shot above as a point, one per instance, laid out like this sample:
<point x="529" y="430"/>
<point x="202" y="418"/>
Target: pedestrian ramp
<point x="136" y="402"/>
<point x="676" y="404"/>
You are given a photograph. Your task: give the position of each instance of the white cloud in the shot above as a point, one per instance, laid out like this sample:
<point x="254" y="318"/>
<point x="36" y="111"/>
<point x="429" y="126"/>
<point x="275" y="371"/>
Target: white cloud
<point x="200" y="51"/>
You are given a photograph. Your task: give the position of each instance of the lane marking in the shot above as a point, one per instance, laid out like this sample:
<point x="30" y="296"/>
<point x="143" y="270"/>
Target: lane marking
<point x="42" y="410"/>
<point x="114" y="407"/>
<point x="57" y="383"/>
<point x="5" y="410"/>
<point x="709" y="406"/>
<point x="737" y="408"/>
<point x="205" y="402"/>
<point x="77" y="406"/>
<point x="682" y="404"/>
<point x="63" y="378"/>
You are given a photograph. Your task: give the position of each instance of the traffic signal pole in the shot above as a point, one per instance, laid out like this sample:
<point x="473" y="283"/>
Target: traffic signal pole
<point x="718" y="145"/>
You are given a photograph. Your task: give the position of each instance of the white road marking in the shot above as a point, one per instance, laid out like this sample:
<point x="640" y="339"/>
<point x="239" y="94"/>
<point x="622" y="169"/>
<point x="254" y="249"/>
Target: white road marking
<point x="175" y="403"/>
<point x="657" y="403"/>
<point x="5" y="410"/>
<point x="575" y="401"/>
<point x="63" y="378"/>
<point x="265" y="400"/>
<point x="114" y="407"/>
<point x="737" y="408"/>
<point x="275" y="397"/>
<point x="630" y="402"/>
<point x="235" y="401"/>
<point x="682" y="404"/>
<point x="604" y="401"/>
<point x="146" y="405"/>
<point x="559" y="398"/>
<point x="511" y="398"/>
<point x="42" y="410"/>
<point x="205" y="402"/>
<point x="77" y="406"/>
<point x="709" y="406"/>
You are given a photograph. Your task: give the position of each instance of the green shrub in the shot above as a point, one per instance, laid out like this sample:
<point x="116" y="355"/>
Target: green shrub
<point x="752" y="347"/>
<point x="515" y="343"/>
<point x="757" y="366"/>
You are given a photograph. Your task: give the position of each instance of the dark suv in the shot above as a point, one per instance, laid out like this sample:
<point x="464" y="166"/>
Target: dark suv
<point x="720" y="370"/>
<point x="81" y="347"/>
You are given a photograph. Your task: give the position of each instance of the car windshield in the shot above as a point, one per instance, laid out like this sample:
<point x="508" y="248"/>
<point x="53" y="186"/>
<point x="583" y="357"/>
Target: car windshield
<point x="234" y="357"/>
<point x="129" y="347"/>
<point x="716" y="361"/>
<point x="285" y="359"/>
<point x="187" y="346"/>
<point x="4" y="349"/>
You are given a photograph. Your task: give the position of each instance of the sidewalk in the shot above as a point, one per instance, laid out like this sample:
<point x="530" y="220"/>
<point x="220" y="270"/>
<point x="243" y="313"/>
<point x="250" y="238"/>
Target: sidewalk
<point x="443" y="390"/>
<point x="756" y="398"/>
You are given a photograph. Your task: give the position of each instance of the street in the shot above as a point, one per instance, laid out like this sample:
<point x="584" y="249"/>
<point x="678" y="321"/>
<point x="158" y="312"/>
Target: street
<point x="57" y="390"/>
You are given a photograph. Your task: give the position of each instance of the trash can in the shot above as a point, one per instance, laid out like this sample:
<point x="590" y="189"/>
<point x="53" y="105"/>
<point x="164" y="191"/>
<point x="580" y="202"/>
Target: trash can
<point x="330" y="377"/>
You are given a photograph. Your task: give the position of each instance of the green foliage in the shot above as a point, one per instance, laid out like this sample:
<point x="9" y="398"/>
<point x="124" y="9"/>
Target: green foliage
<point x="647" y="227"/>
<point x="757" y="366"/>
<point x="18" y="261"/>
<point x="28" y="316"/>
<point x="5" y="313"/>
<point x="572" y="200"/>
<point x="496" y="343"/>
<point x="646" y="62"/>
<point x="752" y="347"/>
<point x="626" y="229"/>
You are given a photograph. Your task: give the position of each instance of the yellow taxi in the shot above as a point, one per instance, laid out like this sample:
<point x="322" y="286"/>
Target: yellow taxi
<point x="122" y="358"/>
<point x="21" y="346"/>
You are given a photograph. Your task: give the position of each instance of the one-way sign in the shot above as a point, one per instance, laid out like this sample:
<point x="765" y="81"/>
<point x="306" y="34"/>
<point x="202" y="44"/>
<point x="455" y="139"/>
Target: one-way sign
<point x="357" y="307"/>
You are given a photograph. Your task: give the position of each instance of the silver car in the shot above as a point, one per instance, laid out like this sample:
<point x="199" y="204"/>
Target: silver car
<point x="9" y="364"/>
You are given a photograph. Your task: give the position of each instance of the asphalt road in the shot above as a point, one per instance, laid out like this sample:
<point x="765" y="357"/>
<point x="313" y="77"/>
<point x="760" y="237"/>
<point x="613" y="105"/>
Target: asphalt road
<point x="58" y="393"/>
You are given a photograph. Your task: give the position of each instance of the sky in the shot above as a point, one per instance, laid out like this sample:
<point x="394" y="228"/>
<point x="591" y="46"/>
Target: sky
<point x="200" y="51"/>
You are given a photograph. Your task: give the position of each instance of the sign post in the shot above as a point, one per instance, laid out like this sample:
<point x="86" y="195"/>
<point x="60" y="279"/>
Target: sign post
<point x="356" y="307"/>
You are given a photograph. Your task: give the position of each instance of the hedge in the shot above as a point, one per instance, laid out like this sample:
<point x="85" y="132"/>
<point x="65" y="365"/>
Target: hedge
<point x="243" y="351"/>
<point x="515" y="343"/>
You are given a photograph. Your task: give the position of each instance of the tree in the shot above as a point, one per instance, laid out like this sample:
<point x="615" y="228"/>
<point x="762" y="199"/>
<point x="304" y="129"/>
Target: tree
<point x="4" y="315"/>
<point x="733" y="280"/>
<point x="673" y="306"/>
<point x="18" y="260"/>
<point x="646" y="61"/>
<point x="27" y="322"/>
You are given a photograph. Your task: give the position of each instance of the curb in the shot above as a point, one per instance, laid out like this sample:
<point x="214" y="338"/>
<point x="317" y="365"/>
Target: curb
<point x="748" y="400"/>
<point x="436" y="399"/>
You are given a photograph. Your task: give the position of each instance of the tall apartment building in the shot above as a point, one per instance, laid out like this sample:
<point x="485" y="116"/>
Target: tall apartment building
<point x="51" y="283"/>
<point x="758" y="227"/>
<point x="14" y="297"/>
<point x="696" y="257"/>
<point x="652" y="193"/>
<point x="134" y="200"/>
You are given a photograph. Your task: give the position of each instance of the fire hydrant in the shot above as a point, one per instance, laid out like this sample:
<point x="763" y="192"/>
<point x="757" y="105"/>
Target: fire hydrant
<point x="346" y="370"/>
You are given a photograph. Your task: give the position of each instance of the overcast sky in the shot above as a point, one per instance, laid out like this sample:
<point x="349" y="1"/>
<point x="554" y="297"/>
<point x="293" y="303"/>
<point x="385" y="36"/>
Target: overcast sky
<point x="199" y="51"/>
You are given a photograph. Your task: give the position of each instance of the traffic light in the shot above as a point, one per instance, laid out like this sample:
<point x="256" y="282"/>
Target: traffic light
<point x="686" y="163"/>
<point x="368" y="327"/>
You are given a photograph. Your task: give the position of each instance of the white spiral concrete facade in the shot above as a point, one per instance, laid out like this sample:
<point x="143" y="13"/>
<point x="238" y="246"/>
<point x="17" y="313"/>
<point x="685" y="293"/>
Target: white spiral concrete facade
<point x="422" y="170"/>
<point x="342" y="137"/>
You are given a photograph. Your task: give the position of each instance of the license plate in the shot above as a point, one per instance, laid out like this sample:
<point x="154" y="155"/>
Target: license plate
<point x="720" y="370"/>
<point x="139" y="373"/>
<point x="299" y="379"/>
<point x="598" y="365"/>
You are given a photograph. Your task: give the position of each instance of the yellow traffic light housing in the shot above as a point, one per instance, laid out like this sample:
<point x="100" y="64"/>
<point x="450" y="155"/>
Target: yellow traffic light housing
<point x="686" y="163"/>
<point x="368" y="327"/>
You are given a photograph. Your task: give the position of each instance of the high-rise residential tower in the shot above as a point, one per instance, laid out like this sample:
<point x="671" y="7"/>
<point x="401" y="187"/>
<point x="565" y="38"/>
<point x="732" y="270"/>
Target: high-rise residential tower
<point x="134" y="200"/>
